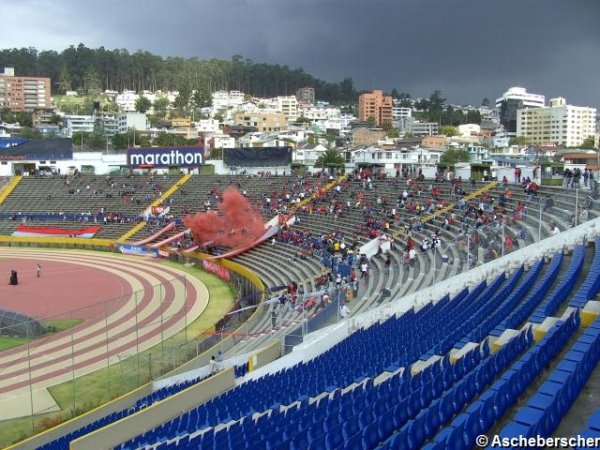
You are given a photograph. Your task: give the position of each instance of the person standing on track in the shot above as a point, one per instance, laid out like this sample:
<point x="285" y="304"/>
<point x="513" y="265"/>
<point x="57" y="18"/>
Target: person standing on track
<point x="38" y="270"/>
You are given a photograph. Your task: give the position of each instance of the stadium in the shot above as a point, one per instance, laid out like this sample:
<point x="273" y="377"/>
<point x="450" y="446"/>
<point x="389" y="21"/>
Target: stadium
<point x="166" y="309"/>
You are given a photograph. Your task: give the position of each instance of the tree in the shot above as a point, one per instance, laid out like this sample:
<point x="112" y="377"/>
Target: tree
<point x="91" y="81"/>
<point x="161" y="105"/>
<point x="371" y="121"/>
<point x="110" y="107"/>
<point x="30" y="133"/>
<point x="302" y="120"/>
<point x="168" y="140"/>
<point x="436" y="101"/>
<point x="216" y="153"/>
<point x="588" y="143"/>
<point x="64" y="82"/>
<point x="143" y="104"/>
<point x="55" y="119"/>
<point x="422" y="105"/>
<point x="91" y="141"/>
<point x="181" y="104"/>
<point x="453" y="156"/>
<point x="93" y="70"/>
<point x="313" y="139"/>
<point x="331" y="158"/>
<point x="201" y="99"/>
<point x="388" y="127"/>
<point x="406" y="103"/>
<point x="486" y="102"/>
<point x="120" y="141"/>
<point x="518" y="140"/>
<point x="449" y="130"/>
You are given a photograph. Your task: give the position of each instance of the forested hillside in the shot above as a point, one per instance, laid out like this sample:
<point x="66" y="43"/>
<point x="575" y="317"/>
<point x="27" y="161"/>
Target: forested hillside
<point x="94" y="70"/>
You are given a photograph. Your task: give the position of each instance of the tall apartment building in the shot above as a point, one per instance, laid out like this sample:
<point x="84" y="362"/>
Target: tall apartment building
<point x="560" y="124"/>
<point x="288" y="105"/>
<point x="511" y="101"/>
<point x="375" y="104"/>
<point x="306" y="95"/>
<point x="23" y="93"/>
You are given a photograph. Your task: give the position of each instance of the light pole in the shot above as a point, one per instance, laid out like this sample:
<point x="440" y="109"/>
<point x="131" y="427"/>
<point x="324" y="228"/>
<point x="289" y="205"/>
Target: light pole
<point x="540" y="223"/>
<point x="502" y="239"/>
<point x="577" y="204"/>
<point x="434" y="262"/>
<point x="468" y="249"/>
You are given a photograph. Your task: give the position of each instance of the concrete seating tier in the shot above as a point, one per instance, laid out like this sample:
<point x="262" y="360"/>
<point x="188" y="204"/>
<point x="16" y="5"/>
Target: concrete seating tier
<point x="123" y="195"/>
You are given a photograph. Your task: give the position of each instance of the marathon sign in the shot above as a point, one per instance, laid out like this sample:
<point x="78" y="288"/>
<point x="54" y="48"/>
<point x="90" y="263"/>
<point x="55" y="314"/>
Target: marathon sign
<point x="165" y="157"/>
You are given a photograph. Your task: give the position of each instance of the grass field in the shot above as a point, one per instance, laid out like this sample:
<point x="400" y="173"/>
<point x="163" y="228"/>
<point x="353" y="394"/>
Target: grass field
<point x="8" y="342"/>
<point x="89" y="391"/>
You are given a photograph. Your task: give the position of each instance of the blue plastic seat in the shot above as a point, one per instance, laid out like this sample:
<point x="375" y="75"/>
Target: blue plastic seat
<point x="371" y="436"/>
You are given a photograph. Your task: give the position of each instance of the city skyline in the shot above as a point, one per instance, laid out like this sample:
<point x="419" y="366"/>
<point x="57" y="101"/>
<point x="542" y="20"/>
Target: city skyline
<point x="467" y="49"/>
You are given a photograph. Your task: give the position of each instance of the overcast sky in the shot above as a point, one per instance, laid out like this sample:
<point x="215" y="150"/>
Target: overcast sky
<point x="470" y="49"/>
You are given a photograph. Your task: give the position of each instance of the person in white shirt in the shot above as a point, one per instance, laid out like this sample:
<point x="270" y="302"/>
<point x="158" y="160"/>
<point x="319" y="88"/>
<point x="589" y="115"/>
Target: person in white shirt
<point x="555" y="230"/>
<point x="364" y="269"/>
<point x="344" y="311"/>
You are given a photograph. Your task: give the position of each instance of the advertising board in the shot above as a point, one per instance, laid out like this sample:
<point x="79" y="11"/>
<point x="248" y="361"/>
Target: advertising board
<point x="165" y="157"/>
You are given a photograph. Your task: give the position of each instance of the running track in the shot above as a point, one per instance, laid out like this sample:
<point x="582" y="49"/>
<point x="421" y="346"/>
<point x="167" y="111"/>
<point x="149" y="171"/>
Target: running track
<point x="127" y="325"/>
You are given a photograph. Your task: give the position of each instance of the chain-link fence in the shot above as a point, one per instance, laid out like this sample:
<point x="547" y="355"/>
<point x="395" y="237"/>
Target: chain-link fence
<point x="57" y="367"/>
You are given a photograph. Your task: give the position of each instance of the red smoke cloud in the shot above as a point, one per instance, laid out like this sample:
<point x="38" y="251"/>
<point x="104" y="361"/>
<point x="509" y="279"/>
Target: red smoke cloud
<point x="237" y="225"/>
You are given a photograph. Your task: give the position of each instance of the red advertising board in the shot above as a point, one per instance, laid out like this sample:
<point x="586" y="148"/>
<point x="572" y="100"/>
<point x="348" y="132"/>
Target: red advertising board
<point x="217" y="269"/>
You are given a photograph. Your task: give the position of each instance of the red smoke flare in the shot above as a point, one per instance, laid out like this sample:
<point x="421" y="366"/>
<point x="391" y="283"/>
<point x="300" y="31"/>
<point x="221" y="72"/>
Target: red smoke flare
<point x="237" y="225"/>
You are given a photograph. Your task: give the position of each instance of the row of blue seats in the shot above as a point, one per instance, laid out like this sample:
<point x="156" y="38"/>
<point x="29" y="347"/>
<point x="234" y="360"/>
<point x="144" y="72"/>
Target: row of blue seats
<point x="567" y="281"/>
<point x="62" y="443"/>
<point x="394" y="343"/>
<point x="456" y="336"/>
<point x="591" y="285"/>
<point x="397" y="341"/>
<point x="546" y="408"/>
<point x="507" y="306"/>
<point x="342" y="418"/>
<point x="491" y="405"/>
<point x="592" y="431"/>
<point x="424" y="426"/>
<point x="522" y="311"/>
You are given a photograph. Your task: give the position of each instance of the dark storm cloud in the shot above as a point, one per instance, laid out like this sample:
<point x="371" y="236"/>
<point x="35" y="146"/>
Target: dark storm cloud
<point x="469" y="49"/>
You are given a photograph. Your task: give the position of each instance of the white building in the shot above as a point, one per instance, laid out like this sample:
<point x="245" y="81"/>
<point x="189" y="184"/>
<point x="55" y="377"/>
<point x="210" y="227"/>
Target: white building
<point x="423" y="128"/>
<point x="126" y="100"/>
<point x="400" y="112"/>
<point x="511" y="101"/>
<point x="222" y="100"/>
<point x="137" y="121"/>
<point x="559" y="124"/>
<point x="219" y="141"/>
<point x="288" y="105"/>
<point x="308" y="154"/>
<point x="207" y="126"/>
<point x="391" y="159"/>
<point x="75" y="123"/>
<point x="111" y="124"/>
<point x="469" y="129"/>
<point x="262" y="140"/>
